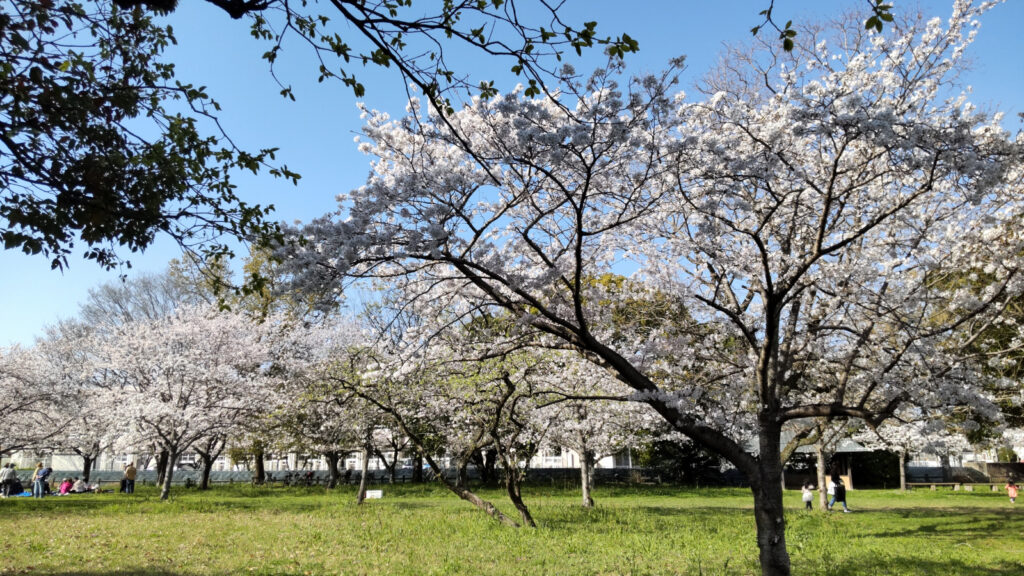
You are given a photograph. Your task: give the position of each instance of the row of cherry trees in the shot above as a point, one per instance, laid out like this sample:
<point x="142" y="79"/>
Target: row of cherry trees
<point x="158" y="366"/>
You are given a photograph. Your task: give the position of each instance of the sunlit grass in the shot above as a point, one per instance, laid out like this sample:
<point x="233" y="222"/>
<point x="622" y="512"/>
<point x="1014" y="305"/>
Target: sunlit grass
<point x="424" y="530"/>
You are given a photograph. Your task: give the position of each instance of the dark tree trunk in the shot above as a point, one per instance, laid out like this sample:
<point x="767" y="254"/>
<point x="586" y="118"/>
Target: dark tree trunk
<point x="209" y="451"/>
<point x="391" y="466"/>
<point x="819" y="453"/>
<point x="586" y="477"/>
<point x="161" y="467"/>
<point x="87" y="464"/>
<point x="204" y="479"/>
<point x="165" y="484"/>
<point x="488" y="472"/>
<point x="261" y="472"/>
<point x="462" y="473"/>
<point x="417" y="467"/>
<point x="512" y="485"/>
<point x="769" y="513"/>
<point x="466" y="495"/>
<point x="332" y="468"/>
<point x="489" y="508"/>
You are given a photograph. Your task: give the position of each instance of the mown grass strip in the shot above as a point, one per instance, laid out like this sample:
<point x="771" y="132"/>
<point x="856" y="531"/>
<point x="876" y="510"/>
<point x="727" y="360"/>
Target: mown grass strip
<point x="422" y="530"/>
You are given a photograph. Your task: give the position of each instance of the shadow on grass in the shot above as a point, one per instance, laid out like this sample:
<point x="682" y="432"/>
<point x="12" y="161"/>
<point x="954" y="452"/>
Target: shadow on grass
<point x="150" y="571"/>
<point x="858" y="567"/>
<point x="135" y="570"/>
<point x="196" y="502"/>
<point x="890" y="565"/>
<point x="934" y="523"/>
<point x="407" y="505"/>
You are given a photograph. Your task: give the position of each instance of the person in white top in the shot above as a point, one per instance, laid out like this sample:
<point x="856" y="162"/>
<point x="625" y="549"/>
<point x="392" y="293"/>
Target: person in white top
<point x="79" y="486"/>
<point x="6" y="475"/>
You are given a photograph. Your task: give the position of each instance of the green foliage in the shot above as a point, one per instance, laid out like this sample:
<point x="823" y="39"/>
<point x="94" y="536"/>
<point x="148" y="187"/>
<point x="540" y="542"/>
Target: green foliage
<point x="82" y="88"/>
<point x="877" y="469"/>
<point x="995" y="346"/>
<point x="1005" y="454"/>
<point x="680" y="462"/>
<point x="416" y="40"/>
<point x="880" y="12"/>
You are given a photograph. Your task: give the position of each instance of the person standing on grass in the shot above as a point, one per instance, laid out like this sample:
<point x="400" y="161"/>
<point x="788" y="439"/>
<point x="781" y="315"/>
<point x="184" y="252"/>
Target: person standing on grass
<point x="129" y="478"/>
<point x="840" y="490"/>
<point x="39" y="480"/>
<point x="6" y="479"/>
<point x="808" y="495"/>
<point x="1011" y="491"/>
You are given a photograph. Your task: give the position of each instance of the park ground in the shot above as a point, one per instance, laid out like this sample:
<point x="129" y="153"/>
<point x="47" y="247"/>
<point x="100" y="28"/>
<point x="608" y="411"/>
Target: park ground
<point x="424" y="530"/>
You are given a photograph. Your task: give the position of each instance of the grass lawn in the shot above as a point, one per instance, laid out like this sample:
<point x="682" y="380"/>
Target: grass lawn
<point x="425" y="530"/>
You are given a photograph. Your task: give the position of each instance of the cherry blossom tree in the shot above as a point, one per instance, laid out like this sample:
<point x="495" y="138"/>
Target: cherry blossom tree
<point x="27" y="403"/>
<point x="798" y="212"/>
<point x="69" y="350"/>
<point x="594" y="419"/>
<point x="317" y="417"/>
<point x="185" y="377"/>
<point x="455" y="396"/>
<point x="923" y="434"/>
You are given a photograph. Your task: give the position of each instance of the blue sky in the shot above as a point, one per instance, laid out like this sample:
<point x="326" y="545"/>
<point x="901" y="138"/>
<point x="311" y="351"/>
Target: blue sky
<point x="315" y="133"/>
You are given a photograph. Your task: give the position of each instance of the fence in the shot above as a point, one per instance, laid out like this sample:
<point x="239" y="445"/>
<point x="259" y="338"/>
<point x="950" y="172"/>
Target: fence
<point x="560" y="476"/>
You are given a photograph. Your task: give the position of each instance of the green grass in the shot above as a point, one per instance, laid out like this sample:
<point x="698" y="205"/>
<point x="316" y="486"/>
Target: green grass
<point x="425" y="530"/>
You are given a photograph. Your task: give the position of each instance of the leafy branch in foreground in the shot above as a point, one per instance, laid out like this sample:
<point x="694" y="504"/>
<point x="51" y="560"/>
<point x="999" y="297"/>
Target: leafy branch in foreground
<point x="100" y="143"/>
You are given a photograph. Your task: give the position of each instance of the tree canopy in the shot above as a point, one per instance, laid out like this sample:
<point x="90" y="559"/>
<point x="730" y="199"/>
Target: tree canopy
<point x="798" y="205"/>
<point x="103" y="147"/>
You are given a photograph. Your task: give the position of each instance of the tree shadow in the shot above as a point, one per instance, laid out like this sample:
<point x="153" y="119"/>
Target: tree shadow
<point x="407" y="505"/>
<point x="934" y="523"/>
<point x="134" y="570"/>
<point x="154" y="571"/>
<point x="860" y="566"/>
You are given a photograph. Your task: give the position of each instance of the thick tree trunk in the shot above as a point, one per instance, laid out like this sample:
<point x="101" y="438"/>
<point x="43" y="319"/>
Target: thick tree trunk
<point x="947" y="470"/>
<point x="261" y="472"/>
<point x="514" y="494"/>
<point x="165" y="484"/>
<point x="209" y="450"/>
<point x="361" y="495"/>
<point x="204" y="480"/>
<point x="332" y="468"/>
<point x="903" y="470"/>
<point x="462" y="473"/>
<point x="769" y="513"/>
<point x="161" y="467"/>
<point x="87" y="462"/>
<point x="819" y="452"/>
<point x="586" y="477"/>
